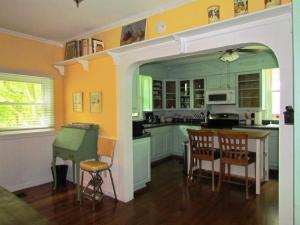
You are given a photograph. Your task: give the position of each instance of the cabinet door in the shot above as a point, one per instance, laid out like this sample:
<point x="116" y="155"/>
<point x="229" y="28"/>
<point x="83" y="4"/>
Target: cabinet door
<point x="157" y="146"/>
<point x="168" y="142"/>
<point x="170" y="94"/>
<point x="274" y="150"/>
<point x="157" y="90"/>
<point x="198" y="94"/>
<point x="146" y="92"/>
<point x="141" y="162"/>
<point x="217" y="81"/>
<point x="249" y="90"/>
<point x="184" y="94"/>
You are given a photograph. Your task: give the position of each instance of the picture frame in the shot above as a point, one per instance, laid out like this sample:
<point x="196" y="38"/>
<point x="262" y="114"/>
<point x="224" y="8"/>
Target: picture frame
<point x="133" y="32"/>
<point x="97" y="45"/>
<point x="78" y="102"/>
<point x="272" y="3"/>
<point x="213" y="13"/>
<point x="71" y="49"/>
<point x="240" y="7"/>
<point x="95" y="102"/>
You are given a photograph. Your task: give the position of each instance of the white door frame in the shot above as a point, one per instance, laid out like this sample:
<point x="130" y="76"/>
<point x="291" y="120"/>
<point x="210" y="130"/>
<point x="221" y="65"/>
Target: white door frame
<point x="271" y="27"/>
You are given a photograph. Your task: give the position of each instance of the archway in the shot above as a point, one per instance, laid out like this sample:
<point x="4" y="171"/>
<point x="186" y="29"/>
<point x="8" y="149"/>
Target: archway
<point x="272" y="28"/>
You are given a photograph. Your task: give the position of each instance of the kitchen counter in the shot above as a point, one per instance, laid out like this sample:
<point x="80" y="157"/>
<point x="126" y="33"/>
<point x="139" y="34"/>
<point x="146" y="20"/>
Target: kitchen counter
<point x="145" y="135"/>
<point x="266" y="127"/>
<point x="154" y="125"/>
<point x="251" y="134"/>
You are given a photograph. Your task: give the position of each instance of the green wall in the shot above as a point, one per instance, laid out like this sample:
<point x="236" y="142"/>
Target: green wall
<point x="296" y="27"/>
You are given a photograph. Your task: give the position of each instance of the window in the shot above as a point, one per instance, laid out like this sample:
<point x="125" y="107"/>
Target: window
<point x="26" y="102"/>
<point x="271" y="87"/>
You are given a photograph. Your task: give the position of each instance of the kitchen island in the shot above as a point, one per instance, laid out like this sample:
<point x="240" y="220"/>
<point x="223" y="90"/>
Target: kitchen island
<point x="258" y="142"/>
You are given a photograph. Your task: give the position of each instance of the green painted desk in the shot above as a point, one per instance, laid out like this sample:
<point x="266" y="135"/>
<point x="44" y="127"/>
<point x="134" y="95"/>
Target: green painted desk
<point x="76" y="142"/>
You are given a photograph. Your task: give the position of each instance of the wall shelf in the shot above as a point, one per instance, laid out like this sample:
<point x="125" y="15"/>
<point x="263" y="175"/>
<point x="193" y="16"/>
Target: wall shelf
<point x="180" y="37"/>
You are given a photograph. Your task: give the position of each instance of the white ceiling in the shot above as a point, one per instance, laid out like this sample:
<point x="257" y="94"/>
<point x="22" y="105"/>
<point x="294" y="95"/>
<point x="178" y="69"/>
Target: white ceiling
<point x="61" y="20"/>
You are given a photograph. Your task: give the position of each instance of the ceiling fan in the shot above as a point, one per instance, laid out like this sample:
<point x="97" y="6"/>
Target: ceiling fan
<point x="230" y="55"/>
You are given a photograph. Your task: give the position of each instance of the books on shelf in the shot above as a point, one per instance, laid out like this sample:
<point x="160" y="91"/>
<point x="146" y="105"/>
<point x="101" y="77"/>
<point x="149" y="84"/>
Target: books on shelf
<point x="86" y="46"/>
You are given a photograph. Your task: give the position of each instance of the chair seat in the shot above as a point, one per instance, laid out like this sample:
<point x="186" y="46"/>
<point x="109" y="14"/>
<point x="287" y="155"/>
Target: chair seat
<point x="93" y="166"/>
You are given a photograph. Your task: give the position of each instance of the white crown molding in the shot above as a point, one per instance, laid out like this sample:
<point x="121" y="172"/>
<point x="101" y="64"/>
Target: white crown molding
<point x="30" y="37"/>
<point x="158" y="10"/>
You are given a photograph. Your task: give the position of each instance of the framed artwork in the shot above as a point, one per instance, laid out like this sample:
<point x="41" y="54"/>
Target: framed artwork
<point x="133" y="32"/>
<point x="240" y="7"/>
<point x="95" y="102"/>
<point x="71" y="50"/>
<point x="98" y="45"/>
<point x="213" y="13"/>
<point x="271" y="3"/>
<point x="78" y="102"/>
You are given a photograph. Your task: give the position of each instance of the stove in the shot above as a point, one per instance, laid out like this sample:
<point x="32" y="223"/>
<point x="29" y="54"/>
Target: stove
<point x="222" y="120"/>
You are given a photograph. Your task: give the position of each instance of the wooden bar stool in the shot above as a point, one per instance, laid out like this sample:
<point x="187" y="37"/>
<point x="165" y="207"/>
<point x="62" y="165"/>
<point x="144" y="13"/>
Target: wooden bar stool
<point x="234" y="151"/>
<point x="106" y="148"/>
<point x="202" y="148"/>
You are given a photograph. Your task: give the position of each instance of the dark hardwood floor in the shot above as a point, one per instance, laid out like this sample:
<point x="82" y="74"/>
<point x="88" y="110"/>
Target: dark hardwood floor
<point x="167" y="200"/>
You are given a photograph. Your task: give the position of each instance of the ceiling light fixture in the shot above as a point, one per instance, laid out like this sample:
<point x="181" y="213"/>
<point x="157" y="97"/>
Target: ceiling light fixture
<point x="77" y="2"/>
<point x="229" y="56"/>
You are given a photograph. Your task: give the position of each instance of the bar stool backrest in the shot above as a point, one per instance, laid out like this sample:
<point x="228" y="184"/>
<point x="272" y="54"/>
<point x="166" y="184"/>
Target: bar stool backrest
<point x="106" y="147"/>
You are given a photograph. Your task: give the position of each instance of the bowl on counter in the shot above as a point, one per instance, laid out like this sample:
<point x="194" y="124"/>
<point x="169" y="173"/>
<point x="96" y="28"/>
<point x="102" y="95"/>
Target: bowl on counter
<point x="169" y="119"/>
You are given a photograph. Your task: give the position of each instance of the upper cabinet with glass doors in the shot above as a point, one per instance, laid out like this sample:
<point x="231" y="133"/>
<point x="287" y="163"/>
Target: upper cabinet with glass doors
<point x="157" y="94"/>
<point x="198" y="94"/>
<point x="184" y="94"/>
<point x="170" y="94"/>
<point x="249" y="90"/>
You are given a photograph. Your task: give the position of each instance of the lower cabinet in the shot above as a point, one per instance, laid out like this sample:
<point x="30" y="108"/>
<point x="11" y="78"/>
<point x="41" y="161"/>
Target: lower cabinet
<point x="141" y="162"/>
<point x="181" y="136"/>
<point x="168" y="140"/>
<point x="161" y="142"/>
<point x="273" y="150"/>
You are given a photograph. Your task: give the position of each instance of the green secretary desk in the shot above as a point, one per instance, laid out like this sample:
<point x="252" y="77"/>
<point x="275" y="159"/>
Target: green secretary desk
<point x="75" y="142"/>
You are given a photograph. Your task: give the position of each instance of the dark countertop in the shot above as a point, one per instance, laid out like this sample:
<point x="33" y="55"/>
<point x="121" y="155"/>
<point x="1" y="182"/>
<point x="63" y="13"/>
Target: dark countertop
<point x="154" y="125"/>
<point x="266" y="127"/>
<point x="145" y="135"/>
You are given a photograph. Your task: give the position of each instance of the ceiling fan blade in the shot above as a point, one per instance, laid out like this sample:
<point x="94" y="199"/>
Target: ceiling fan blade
<point x="249" y="50"/>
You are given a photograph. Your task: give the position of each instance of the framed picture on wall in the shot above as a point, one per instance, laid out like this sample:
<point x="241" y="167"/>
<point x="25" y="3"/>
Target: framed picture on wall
<point x="95" y="102"/>
<point x="78" y="102"/>
<point x="133" y="32"/>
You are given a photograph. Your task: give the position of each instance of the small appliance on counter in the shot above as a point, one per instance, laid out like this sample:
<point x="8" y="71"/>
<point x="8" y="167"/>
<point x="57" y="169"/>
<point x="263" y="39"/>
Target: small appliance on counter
<point x="149" y="117"/>
<point x="137" y="128"/>
<point x="258" y="118"/>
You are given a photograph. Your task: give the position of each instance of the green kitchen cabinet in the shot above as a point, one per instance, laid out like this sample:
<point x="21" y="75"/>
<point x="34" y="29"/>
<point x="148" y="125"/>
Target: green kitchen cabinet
<point x="141" y="162"/>
<point x="161" y="142"/>
<point x="249" y="90"/>
<point x="146" y="92"/>
<point x="221" y="81"/>
<point x="273" y="149"/>
<point x="181" y="136"/>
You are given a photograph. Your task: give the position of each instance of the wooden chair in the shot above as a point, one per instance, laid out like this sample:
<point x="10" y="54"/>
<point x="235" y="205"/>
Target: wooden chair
<point x="234" y="151"/>
<point x="95" y="168"/>
<point x="202" y="148"/>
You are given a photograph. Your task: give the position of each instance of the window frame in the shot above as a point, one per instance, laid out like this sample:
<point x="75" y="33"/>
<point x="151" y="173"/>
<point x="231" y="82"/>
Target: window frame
<point x="47" y="100"/>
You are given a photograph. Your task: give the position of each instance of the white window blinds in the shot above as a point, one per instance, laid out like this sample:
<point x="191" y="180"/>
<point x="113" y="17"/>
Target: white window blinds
<point x="26" y="102"/>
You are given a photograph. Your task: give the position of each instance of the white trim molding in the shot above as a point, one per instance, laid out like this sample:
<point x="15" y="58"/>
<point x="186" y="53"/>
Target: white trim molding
<point x="30" y="37"/>
<point x="272" y="28"/>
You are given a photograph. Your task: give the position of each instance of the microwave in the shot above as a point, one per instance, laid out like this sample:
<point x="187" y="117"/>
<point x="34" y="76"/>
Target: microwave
<point x="221" y="97"/>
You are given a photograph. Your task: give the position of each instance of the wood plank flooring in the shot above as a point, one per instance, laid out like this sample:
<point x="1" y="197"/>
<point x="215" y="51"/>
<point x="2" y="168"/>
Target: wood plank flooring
<point x="166" y="201"/>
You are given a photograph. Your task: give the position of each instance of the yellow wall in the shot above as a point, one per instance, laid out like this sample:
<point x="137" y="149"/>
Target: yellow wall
<point x="32" y="57"/>
<point x="101" y="77"/>
<point x="181" y="18"/>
